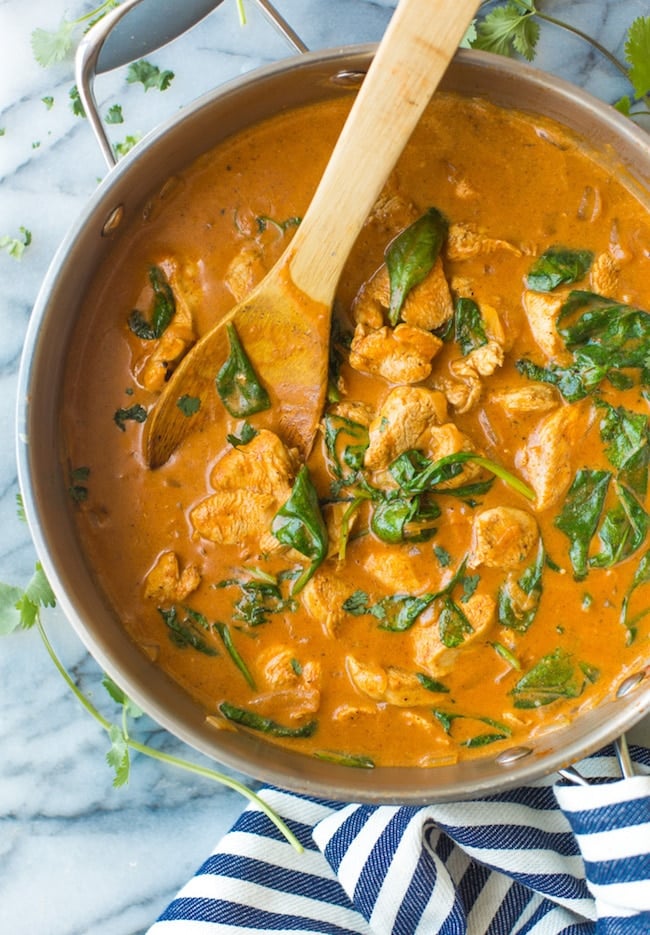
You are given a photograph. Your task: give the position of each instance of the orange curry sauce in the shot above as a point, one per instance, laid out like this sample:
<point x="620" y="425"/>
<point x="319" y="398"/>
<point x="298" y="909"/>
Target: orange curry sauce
<point x="522" y="622"/>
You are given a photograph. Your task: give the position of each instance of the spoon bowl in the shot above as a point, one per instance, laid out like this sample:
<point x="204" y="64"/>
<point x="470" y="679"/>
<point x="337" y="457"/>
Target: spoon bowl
<point x="283" y="325"/>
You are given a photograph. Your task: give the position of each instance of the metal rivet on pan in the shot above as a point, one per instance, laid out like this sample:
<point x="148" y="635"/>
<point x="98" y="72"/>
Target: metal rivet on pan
<point x="513" y="755"/>
<point x="113" y="221"/>
<point x="629" y="684"/>
<point x="348" y="79"/>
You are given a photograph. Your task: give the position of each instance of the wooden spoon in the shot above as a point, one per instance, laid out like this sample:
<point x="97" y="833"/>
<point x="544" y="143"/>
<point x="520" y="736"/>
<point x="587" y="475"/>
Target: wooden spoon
<point x="284" y="323"/>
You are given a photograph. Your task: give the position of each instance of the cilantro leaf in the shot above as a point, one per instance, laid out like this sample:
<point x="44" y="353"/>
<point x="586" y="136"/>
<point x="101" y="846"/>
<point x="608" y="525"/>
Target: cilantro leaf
<point x="127" y="144"/>
<point x="135" y="413"/>
<point x="16" y="246"/>
<point x="51" y="47"/>
<point x="508" y="29"/>
<point x="189" y="405"/>
<point x="637" y="53"/>
<point x="118" y="756"/>
<point x="121" y="698"/>
<point x="10" y="615"/>
<point x="148" y="75"/>
<point x="114" y="114"/>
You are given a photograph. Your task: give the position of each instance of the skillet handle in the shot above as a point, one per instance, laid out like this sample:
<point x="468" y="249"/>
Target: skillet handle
<point x="625" y="764"/>
<point x="136" y="28"/>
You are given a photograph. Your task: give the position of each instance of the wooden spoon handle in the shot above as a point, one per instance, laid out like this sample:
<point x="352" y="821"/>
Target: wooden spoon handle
<point x="419" y="43"/>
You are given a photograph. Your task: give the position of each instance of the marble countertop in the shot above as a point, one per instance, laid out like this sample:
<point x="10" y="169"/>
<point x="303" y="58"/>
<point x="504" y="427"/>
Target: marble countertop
<point x="76" y="854"/>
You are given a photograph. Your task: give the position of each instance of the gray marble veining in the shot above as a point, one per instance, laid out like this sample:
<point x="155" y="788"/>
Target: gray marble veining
<point x="78" y="856"/>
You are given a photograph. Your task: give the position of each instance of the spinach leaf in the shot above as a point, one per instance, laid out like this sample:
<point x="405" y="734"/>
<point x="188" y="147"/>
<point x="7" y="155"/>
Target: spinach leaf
<point x="431" y="685"/>
<point x="300" y="525"/>
<point x="469" y="329"/>
<point x="641" y="577"/>
<point x="553" y="677"/>
<point x="258" y="600"/>
<point x="237" y="384"/>
<point x="625" y="434"/>
<point x="355" y="760"/>
<point x="224" y="632"/>
<point x="478" y="740"/>
<point x="558" y="266"/>
<point x="518" y="602"/>
<point x="396" y="612"/>
<point x="572" y="382"/>
<point x="346" y="442"/>
<point x="410" y="257"/>
<point x="610" y="333"/>
<point x="581" y="514"/>
<point x="265" y="725"/>
<point x="605" y="339"/>
<point x="162" y="310"/>
<point x="623" y="530"/>
<point x="187" y="632"/>
<point x="453" y="624"/>
<point x="404" y="519"/>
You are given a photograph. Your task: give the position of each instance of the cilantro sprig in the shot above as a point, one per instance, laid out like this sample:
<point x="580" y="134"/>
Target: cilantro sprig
<point x="21" y="609"/>
<point x="52" y="46"/>
<point x="513" y="28"/>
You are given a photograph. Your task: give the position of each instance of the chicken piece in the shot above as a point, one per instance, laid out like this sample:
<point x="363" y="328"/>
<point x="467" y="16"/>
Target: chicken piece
<point x="279" y="667"/>
<point x="166" y="584"/>
<point x="324" y="595"/>
<point x="398" y="573"/>
<point x="390" y="685"/>
<point x="428" y="305"/>
<point x="251" y="483"/>
<point x="155" y="367"/>
<point x="464" y="241"/>
<point x="442" y="440"/>
<point x="538" y="397"/>
<point x="542" y="310"/>
<point x="502" y="537"/>
<point x="349" y="712"/>
<point x="245" y="270"/>
<point x="399" y="355"/>
<point x="431" y="655"/>
<point x="406" y="412"/>
<point x="605" y="275"/>
<point x="462" y="395"/>
<point x="465" y="392"/>
<point x="353" y="411"/>
<point x="298" y="700"/>
<point x="392" y="212"/>
<point x="546" y="459"/>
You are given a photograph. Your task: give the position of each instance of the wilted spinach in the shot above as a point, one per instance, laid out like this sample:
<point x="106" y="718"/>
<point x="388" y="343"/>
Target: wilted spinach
<point x="162" y="309"/>
<point x="237" y="383"/>
<point x="300" y="525"/>
<point x="558" y="266"/>
<point x="581" y="513"/>
<point x="469" y="328"/>
<point x="554" y="676"/>
<point x="518" y="602"/>
<point x="410" y="257"/>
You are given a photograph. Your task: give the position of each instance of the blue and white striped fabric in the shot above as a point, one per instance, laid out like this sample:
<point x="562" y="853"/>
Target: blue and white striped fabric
<point x="546" y="859"/>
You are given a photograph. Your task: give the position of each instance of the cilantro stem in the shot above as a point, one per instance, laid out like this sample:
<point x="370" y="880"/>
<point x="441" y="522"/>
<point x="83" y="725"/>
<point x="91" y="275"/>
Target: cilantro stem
<point x="154" y="754"/>
<point x="586" y="38"/>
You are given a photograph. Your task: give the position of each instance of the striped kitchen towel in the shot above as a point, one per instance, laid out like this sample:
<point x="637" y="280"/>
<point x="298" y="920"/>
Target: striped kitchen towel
<point x="545" y="859"/>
